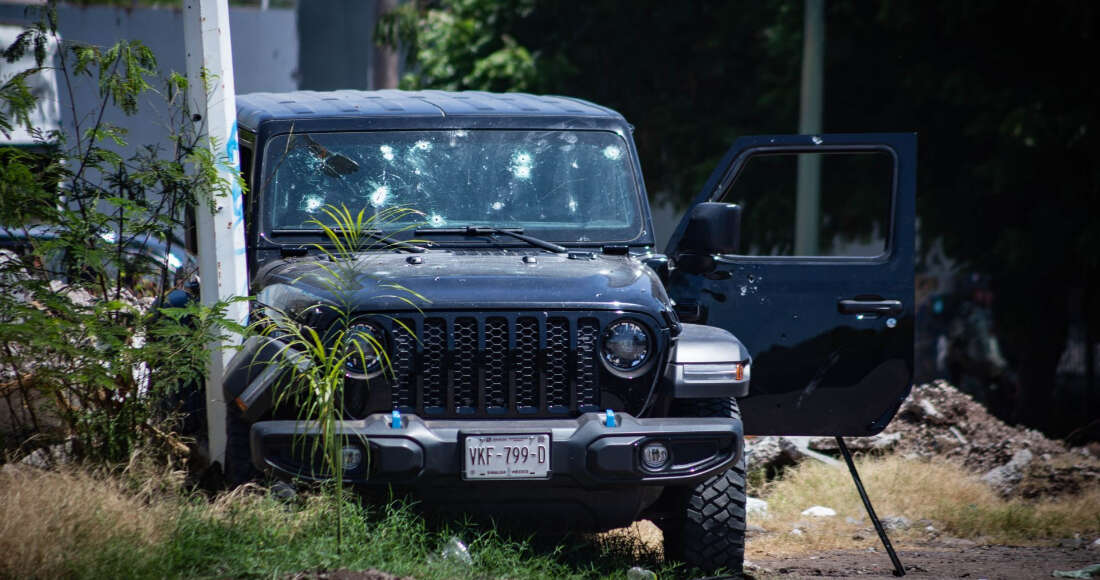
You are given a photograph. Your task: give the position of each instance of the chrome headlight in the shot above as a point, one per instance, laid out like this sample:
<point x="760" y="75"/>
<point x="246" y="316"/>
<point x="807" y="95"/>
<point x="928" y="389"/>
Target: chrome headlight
<point x="626" y="346"/>
<point x="364" y="343"/>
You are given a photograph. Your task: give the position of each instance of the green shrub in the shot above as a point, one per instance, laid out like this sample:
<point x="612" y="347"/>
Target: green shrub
<point x="84" y="351"/>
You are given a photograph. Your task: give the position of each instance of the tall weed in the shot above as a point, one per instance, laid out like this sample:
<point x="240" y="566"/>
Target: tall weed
<point x="318" y="359"/>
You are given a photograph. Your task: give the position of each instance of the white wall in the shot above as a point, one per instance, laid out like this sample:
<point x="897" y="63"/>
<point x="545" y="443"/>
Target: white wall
<point x="265" y="55"/>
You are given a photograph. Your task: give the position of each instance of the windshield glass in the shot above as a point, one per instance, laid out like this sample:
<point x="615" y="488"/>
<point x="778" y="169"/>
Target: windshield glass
<point x="572" y="186"/>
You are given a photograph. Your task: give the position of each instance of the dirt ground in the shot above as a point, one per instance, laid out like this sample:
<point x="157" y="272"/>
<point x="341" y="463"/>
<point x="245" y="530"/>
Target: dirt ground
<point x="932" y="560"/>
<point x="941" y="558"/>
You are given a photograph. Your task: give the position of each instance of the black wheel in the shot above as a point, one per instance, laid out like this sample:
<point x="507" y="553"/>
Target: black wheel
<point x="238" y="451"/>
<point x="707" y="528"/>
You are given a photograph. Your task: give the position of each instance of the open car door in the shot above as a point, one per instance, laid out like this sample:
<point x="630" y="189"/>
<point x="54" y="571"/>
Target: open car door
<point x="820" y="286"/>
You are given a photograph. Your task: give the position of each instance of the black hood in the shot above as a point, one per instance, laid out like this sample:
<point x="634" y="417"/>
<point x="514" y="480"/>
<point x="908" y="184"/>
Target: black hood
<point x="460" y="280"/>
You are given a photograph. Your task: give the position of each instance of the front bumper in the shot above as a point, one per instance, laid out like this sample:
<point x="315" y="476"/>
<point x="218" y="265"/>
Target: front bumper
<point x="584" y="452"/>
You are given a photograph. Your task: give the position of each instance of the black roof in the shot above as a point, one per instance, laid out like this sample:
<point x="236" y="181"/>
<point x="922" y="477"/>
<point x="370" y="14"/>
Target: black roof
<point x="255" y="108"/>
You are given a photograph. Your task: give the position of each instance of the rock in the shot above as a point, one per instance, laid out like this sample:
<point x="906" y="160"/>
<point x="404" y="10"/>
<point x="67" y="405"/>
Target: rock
<point x="756" y="507"/>
<point x="853" y="521"/>
<point x="818" y="511"/>
<point x="923" y="409"/>
<point x="48" y="457"/>
<point x="755" y="529"/>
<point x="1005" y="478"/>
<point x="771" y="453"/>
<point x="78" y="296"/>
<point x="1095" y="545"/>
<point x="896" y="523"/>
<point x="880" y="442"/>
<point x="802" y="446"/>
<point x="754" y="568"/>
<point x="796" y="532"/>
<point x="38" y="458"/>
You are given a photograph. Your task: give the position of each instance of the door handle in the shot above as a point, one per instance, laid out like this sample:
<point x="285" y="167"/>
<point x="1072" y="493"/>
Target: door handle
<point x="850" y="306"/>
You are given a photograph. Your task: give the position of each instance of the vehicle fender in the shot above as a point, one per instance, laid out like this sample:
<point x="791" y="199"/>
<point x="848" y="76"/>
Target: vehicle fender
<point x="707" y="362"/>
<point x="261" y="367"/>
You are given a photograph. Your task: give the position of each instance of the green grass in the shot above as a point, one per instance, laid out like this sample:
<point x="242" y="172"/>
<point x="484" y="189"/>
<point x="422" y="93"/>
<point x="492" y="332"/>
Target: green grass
<point x="112" y="529"/>
<point x="264" y="537"/>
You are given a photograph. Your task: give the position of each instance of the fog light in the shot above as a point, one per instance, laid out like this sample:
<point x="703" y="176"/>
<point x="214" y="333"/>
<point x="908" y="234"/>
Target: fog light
<point x="654" y="455"/>
<point x="353" y="458"/>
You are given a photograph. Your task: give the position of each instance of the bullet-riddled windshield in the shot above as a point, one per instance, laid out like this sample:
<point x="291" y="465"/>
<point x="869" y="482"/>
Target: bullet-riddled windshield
<point x="570" y="186"/>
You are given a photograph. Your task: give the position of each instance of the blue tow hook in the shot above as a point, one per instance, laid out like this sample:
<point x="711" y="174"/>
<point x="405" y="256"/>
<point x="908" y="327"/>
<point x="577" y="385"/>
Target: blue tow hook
<point x="610" y="420"/>
<point x="396" y="422"/>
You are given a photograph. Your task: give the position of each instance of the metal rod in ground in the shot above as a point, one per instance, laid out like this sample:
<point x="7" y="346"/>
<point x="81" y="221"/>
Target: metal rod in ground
<point x="899" y="570"/>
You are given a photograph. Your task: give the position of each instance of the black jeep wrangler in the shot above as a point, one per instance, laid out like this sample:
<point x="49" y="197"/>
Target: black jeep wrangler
<point x="561" y="370"/>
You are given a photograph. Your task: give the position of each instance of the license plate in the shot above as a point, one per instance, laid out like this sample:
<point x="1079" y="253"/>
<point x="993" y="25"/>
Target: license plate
<point x="507" y="456"/>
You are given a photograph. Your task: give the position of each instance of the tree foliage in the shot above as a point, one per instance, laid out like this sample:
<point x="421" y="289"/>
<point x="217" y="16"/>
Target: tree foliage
<point x="91" y="231"/>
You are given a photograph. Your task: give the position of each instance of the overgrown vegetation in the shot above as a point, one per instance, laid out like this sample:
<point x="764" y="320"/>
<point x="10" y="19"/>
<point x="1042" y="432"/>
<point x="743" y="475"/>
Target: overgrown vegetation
<point x="936" y="493"/>
<point x="138" y="523"/>
<point x="92" y="227"/>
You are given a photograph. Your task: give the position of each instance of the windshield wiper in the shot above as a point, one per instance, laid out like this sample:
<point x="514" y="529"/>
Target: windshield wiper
<point x="516" y="233"/>
<point x="379" y="235"/>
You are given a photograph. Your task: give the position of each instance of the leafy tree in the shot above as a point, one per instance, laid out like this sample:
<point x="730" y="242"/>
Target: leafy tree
<point x="1003" y="98"/>
<point x="92" y="232"/>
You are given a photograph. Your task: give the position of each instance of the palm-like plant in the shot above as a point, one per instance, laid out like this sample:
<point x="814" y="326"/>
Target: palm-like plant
<point x="316" y="360"/>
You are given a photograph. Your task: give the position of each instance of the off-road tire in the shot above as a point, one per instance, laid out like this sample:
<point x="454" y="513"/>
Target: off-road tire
<point x="238" y="451"/>
<point x="707" y="528"/>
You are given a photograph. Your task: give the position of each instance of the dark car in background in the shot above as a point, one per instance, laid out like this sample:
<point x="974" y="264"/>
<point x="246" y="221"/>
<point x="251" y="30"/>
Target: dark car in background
<point x="143" y="256"/>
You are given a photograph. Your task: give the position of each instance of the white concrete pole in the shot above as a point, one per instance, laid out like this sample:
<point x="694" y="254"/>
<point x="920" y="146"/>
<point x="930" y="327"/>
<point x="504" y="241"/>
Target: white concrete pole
<point x="811" y="105"/>
<point x="222" y="270"/>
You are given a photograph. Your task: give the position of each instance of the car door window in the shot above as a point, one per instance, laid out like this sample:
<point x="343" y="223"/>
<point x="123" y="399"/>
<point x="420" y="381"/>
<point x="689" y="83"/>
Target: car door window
<point x="851" y="217"/>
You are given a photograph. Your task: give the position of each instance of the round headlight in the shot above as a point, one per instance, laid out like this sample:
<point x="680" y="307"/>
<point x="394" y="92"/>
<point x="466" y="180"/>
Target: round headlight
<point x="364" y="346"/>
<point x="626" y="345"/>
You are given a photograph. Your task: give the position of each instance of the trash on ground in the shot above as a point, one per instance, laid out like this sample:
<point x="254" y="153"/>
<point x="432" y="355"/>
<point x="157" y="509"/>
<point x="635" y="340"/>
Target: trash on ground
<point x="818" y="511"/>
<point x="1086" y="572"/>
<point x="455" y="550"/>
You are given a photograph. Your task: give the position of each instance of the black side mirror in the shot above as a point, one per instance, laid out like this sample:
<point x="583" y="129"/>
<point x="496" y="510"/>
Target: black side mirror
<point x="713" y="228"/>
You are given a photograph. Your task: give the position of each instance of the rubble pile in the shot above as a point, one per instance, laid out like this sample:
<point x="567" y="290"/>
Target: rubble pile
<point x="939" y="421"/>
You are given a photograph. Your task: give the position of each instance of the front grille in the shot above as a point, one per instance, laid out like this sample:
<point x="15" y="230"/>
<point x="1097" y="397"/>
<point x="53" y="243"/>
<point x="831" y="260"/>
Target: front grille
<point x="498" y="364"/>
